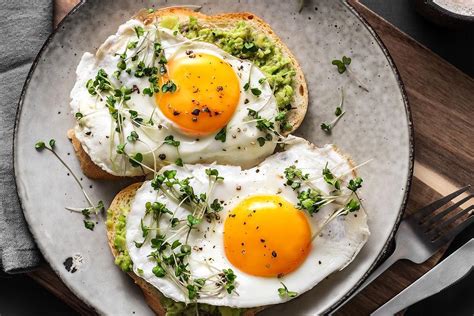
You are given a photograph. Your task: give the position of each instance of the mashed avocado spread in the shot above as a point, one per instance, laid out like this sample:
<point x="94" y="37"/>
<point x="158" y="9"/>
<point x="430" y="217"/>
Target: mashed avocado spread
<point x="118" y="225"/>
<point x="243" y="41"/>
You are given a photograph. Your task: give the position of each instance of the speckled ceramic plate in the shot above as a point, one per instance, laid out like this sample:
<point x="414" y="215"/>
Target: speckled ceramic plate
<point x="376" y="126"/>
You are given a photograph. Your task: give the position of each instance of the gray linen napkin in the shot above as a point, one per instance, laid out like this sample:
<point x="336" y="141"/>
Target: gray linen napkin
<point x="24" y="26"/>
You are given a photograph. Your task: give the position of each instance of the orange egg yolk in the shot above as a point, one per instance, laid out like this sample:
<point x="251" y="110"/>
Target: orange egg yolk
<point x="207" y="93"/>
<point x="266" y="236"/>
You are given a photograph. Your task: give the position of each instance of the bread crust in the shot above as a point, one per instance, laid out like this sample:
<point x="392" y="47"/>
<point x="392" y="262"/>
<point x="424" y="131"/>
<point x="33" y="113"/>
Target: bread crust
<point x="225" y="20"/>
<point x="89" y="168"/>
<point x="151" y="294"/>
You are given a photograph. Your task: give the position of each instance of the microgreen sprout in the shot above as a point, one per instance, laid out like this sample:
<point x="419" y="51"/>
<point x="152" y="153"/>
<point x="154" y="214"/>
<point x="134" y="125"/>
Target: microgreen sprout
<point x="283" y="292"/>
<point x="169" y="86"/>
<point x="311" y="199"/>
<point x="343" y="66"/>
<point x="339" y="112"/>
<point x="329" y="178"/>
<point x="172" y="252"/>
<point x="263" y="125"/>
<point x="93" y="209"/>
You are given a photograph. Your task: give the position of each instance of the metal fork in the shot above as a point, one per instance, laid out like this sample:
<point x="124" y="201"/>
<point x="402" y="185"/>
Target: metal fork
<point x="423" y="233"/>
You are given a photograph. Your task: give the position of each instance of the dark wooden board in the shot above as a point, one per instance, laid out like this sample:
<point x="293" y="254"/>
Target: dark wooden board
<point x="441" y="100"/>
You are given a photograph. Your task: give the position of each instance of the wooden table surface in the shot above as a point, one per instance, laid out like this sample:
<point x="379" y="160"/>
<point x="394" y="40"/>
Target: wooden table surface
<point x="441" y="100"/>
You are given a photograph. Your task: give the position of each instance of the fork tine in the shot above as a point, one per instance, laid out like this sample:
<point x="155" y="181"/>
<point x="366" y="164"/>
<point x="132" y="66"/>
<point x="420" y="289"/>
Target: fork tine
<point x="441" y="239"/>
<point x="421" y="213"/>
<point x="442" y="214"/>
<point x="455" y="217"/>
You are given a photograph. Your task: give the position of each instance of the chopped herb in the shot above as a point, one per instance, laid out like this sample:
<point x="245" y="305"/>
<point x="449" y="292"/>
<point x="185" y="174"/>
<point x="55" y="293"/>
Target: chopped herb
<point x="79" y="115"/>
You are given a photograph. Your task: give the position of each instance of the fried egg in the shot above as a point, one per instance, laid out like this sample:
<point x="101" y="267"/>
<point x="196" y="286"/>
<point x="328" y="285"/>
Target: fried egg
<point x="260" y="231"/>
<point x="197" y="96"/>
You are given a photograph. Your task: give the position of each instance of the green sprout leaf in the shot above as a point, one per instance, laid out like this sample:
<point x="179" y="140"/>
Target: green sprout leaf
<point x="330" y="178"/>
<point x="169" y="86"/>
<point x="89" y="224"/>
<point x="158" y="271"/>
<point x="255" y="91"/>
<point x="40" y="145"/>
<point x="355" y="184"/>
<point x="136" y="159"/>
<point x="121" y="149"/>
<point x="342" y="64"/>
<point x="222" y="135"/>
<point x="179" y="162"/>
<point x="284" y="293"/>
<point x="171" y="141"/>
<point x="133" y="137"/>
<point x="139" y="31"/>
<point x="79" y="115"/>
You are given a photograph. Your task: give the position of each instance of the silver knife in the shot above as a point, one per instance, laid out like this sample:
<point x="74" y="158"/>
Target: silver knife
<point x="450" y="270"/>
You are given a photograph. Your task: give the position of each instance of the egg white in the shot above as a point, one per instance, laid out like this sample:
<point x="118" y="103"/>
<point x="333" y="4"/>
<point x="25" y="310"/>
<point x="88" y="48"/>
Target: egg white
<point x="94" y="130"/>
<point x="332" y="250"/>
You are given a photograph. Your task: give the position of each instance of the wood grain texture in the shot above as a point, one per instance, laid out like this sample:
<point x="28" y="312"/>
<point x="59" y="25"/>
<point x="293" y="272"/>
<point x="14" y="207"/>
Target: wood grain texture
<point x="441" y="100"/>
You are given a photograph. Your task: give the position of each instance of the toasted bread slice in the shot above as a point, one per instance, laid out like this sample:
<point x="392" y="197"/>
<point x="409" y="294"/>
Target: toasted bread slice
<point x="224" y="21"/>
<point x="120" y="206"/>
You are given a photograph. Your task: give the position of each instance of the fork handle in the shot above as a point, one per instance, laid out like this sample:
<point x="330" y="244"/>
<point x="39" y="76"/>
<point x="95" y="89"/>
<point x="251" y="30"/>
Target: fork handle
<point x="396" y="255"/>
